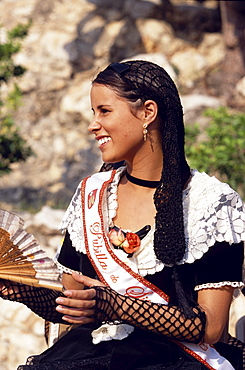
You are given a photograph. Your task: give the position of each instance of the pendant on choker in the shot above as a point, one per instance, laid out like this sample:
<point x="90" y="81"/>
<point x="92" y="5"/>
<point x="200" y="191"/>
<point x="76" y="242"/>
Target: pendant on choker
<point x="140" y="182"/>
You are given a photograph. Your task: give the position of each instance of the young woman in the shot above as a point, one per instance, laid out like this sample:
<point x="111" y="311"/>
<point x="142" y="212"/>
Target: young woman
<point x="153" y="250"/>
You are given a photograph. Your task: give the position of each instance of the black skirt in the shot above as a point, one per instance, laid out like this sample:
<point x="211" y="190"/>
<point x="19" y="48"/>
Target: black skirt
<point x="140" y="351"/>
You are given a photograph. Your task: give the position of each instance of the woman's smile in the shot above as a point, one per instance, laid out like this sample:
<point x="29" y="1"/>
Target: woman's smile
<point x="103" y="141"/>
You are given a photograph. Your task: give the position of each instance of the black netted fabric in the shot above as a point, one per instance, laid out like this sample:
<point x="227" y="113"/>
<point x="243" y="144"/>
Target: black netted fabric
<point x="39" y="300"/>
<point x="141" y="350"/>
<point x="158" y="318"/>
<point x="135" y="80"/>
<point x="101" y="363"/>
<point x="239" y="344"/>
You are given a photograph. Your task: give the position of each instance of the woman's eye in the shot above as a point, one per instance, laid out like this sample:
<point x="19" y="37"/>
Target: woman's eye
<point x="104" y="111"/>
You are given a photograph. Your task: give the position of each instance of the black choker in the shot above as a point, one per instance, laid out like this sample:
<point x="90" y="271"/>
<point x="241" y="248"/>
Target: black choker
<point x="144" y="183"/>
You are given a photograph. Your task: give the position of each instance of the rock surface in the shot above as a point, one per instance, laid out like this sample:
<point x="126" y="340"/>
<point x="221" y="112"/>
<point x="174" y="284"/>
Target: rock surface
<point x="68" y="43"/>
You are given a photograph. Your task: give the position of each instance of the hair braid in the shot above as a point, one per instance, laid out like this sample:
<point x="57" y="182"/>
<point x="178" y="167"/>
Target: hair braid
<point x="145" y="80"/>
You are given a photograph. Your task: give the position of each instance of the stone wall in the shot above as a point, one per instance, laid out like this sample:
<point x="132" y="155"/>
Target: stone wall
<point x="68" y="42"/>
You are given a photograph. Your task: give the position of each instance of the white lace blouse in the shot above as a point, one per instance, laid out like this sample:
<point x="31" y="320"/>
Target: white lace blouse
<point x="212" y="212"/>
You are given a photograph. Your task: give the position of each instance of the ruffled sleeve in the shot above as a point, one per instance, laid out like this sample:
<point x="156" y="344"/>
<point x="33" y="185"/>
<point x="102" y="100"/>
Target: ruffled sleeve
<point x="68" y="258"/>
<point x="213" y="212"/>
<point x="220" y="266"/>
<point x="72" y="222"/>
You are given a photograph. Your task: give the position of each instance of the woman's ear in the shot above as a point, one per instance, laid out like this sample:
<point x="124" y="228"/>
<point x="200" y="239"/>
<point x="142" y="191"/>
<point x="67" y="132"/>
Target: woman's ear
<point x="150" y="111"/>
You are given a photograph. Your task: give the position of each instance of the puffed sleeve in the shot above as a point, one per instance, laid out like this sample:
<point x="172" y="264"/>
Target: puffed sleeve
<point x="70" y="260"/>
<point x="72" y="222"/>
<point x="72" y="255"/>
<point x="221" y="265"/>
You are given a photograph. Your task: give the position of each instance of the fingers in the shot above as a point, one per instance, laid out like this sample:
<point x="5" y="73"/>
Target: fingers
<point x="86" y="294"/>
<point x="76" y="303"/>
<point x="7" y="288"/>
<point x="76" y="311"/>
<point x="78" y="320"/>
<point x="77" y="315"/>
<point x="2" y="284"/>
<point x="86" y="280"/>
<point x="77" y="306"/>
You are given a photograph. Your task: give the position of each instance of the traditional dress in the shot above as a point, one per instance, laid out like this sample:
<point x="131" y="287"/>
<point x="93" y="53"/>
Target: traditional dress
<point x="214" y="221"/>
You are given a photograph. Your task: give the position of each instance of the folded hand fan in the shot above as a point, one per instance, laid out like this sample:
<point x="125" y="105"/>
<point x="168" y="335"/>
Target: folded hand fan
<point x="21" y="258"/>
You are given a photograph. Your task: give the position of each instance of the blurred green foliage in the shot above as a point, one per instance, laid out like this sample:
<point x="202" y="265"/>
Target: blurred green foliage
<point x="13" y="148"/>
<point x="222" y="150"/>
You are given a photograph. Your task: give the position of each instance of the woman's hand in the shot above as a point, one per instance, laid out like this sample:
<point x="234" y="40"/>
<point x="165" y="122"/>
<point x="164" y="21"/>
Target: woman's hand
<point x="7" y="288"/>
<point x="78" y="305"/>
<point x="2" y="287"/>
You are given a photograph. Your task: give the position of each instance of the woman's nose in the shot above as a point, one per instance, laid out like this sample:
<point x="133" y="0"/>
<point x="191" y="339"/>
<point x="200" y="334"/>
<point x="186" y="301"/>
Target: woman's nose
<point x="94" y="126"/>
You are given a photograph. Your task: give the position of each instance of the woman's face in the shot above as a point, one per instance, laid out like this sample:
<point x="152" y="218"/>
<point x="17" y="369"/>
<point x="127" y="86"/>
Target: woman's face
<point x="117" y="129"/>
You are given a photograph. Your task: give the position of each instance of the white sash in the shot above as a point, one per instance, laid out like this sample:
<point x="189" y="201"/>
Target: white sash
<point x="116" y="274"/>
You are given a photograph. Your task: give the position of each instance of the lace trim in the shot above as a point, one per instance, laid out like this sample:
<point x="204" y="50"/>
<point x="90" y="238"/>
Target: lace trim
<point x="72" y="222"/>
<point x="112" y="195"/>
<point x="233" y="284"/>
<point x="65" y="269"/>
<point x="212" y="212"/>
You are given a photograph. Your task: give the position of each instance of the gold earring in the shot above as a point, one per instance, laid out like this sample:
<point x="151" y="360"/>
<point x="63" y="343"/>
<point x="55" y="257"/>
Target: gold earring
<point x="145" y="131"/>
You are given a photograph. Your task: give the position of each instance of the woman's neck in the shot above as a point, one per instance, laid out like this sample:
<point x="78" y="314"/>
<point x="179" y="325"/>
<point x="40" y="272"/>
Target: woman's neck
<point x="147" y="163"/>
<point x="141" y="182"/>
<point x="149" y="171"/>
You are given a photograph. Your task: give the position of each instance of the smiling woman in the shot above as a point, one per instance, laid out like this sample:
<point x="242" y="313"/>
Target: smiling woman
<point x="149" y="264"/>
<point x="118" y="127"/>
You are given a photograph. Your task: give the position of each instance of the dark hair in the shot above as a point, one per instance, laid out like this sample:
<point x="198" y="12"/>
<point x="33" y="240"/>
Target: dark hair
<point x="144" y="80"/>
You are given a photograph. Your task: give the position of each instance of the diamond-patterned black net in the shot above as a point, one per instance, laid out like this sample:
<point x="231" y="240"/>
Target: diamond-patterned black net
<point x="39" y="300"/>
<point x="237" y="343"/>
<point x="112" y="307"/>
